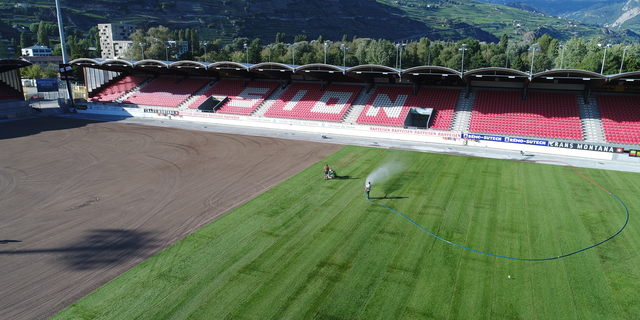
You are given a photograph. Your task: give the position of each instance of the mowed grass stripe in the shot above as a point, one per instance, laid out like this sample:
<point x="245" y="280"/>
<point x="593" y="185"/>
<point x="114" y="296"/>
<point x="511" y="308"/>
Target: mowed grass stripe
<point x="310" y="248"/>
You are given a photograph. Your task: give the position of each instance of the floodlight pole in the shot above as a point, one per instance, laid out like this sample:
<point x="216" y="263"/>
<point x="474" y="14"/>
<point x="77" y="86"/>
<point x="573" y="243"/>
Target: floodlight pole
<point x="399" y="47"/>
<point x="604" y="56"/>
<point x="344" y="51"/>
<point x="63" y="46"/>
<point x="533" y="48"/>
<point x="463" y="49"/>
<point x="326" y="45"/>
<point x="246" y="47"/>
<point x="205" y="44"/>
<point x="293" y="54"/>
<point x="142" y="46"/>
<point x="623" y="54"/>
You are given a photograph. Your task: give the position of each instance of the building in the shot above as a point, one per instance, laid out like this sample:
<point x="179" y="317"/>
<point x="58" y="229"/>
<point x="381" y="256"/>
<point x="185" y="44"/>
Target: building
<point x="180" y="47"/>
<point x="44" y="61"/>
<point x="115" y="39"/>
<point x="36" y="51"/>
<point x="6" y="48"/>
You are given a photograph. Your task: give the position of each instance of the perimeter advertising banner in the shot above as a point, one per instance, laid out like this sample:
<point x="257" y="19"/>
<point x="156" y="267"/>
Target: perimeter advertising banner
<point x="585" y="146"/>
<point x="47" y="85"/>
<point x="485" y="137"/>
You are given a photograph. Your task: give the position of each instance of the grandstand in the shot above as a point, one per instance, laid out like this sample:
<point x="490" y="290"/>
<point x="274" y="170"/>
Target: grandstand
<point x="166" y="91"/>
<point x="543" y="114"/>
<point x="308" y="101"/>
<point x="620" y="118"/>
<point x="8" y="93"/>
<point x="556" y="104"/>
<point x="241" y="99"/>
<point x="390" y="106"/>
<point x="117" y="89"/>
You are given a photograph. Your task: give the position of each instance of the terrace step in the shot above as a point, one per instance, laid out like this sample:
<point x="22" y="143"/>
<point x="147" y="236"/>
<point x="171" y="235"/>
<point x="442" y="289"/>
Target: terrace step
<point x="462" y="114"/>
<point x="268" y="102"/>
<point x="592" y="129"/>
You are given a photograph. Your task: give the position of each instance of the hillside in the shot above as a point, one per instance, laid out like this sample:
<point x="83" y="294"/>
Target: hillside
<point x="613" y="14"/>
<point x="389" y="19"/>
<point x="622" y="15"/>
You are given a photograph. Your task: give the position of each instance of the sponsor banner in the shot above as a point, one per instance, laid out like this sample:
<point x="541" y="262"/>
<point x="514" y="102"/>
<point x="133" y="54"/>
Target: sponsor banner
<point x="209" y="115"/>
<point x="94" y="107"/>
<point x="485" y="137"/>
<point x="416" y="132"/>
<point x="169" y="112"/>
<point x="585" y="146"/>
<point x="526" y="141"/>
<point x="534" y="142"/>
<point x="47" y="85"/>
<point x="634" y="153"/>
<point x="65" y="71"/>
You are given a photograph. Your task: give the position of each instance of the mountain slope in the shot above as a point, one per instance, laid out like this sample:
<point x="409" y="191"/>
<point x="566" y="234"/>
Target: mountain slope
<point x="624" y="15"/>
<point x="389" y="19"/>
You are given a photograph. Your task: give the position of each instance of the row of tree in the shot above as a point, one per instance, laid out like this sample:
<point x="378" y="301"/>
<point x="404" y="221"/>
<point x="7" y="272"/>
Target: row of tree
<point x="541" y="54"/>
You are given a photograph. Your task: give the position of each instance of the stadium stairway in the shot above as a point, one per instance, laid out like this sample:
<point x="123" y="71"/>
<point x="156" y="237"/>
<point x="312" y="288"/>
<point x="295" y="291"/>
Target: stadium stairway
<point x="357" y="106"/>
<point x="187" y="103"/>
<point x="462" y="114"/>
<point x="268" y="102"/>
<point x="133" y="91"/>
<point x="592" y="128"/>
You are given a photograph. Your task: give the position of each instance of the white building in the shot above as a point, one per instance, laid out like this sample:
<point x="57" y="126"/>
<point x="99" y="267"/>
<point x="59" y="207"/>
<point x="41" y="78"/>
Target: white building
<point x="181" y="47"/>
<point x="115" y="39"/>
<point x="36" y="51"/>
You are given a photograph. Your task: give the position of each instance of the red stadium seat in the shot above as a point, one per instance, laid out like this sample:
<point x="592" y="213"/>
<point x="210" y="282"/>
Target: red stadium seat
<point x="307" y="101"/>
<point x="620" y="118"/>
<point x="165" y="92"/>
<point x="242" y="100"/>
<point x="117" y="89"/>
<point x="389" y="106"/>
<point x="546" y="115"/>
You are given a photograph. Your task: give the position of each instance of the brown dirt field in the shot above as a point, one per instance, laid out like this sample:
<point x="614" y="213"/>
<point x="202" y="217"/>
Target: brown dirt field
<point x="83" y="201"/>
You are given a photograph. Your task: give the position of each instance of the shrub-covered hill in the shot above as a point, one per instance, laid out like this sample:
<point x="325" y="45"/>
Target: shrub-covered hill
<point x="389" y="19"/>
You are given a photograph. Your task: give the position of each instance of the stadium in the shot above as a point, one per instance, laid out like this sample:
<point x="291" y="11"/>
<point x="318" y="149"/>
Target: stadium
<point x="193" y="190"/>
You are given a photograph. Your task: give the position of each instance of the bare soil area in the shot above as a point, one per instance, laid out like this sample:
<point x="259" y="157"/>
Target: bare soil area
<point x="83" y="201"/>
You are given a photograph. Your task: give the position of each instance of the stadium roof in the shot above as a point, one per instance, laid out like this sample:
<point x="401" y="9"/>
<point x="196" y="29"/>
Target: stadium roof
<point x="365" y="73"/>
<point x="12" y="64"/>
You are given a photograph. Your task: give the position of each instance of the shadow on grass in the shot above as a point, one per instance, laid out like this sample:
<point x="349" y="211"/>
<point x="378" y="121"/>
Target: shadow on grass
<point x="385" y="197"/>
<point x="346" y="178"/>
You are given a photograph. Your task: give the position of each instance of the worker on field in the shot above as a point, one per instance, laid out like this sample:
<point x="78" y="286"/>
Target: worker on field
<point x="367" y="189"/>
<point x="326" y="171"/>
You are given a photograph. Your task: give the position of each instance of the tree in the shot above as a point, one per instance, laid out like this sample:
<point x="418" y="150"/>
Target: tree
<point x="544" y="43"/>
<point x="517" y="62"/>
<point x="504" y="42"/>
<point x="380" y="52"/>
<point x="574" y="53"/>
<point x="31" y="72"/>
<point x="43" y="34"/>
<point x="477" y="61"/>
<point x="254" y="52"/>
<point x="25" y="41"/>
<point x="281" y="37"/>
<point x="423" y="51"/>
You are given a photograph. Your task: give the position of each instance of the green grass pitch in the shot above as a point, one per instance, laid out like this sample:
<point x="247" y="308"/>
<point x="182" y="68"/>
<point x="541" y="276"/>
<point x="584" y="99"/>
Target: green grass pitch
<point x="310" y="248"/>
